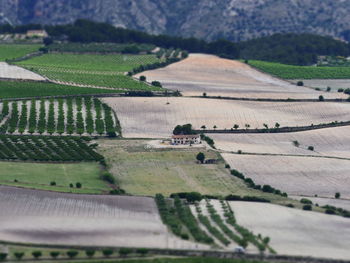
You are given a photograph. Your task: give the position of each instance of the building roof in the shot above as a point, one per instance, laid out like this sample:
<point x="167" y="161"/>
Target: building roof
<point x="182" y="136"/>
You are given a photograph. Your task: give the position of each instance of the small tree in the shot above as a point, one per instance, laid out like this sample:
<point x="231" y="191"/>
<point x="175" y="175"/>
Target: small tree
<point x="266" y="126"/>
<point x="125" y="251"/>
<point x="142" y="251"/>
<point x="54" y="254"/>
<point x="215" y="127"/>
<point x="204" y="94"/>
<point x="247" y="126"/>
<point x="337" y="195"/>
<point x="90" y="253"/>
<point x="194" y="197"/>
<point x="236" y="126"/>
<point x="300" y="83"/>
<point x="321" y="98"/>
<point x="3" y="256"/>
<point x="19" y="255"/>
<point x="296" y="143"/>
<point x="72" y="253"/>
<point x="311" y="148"/>
<point x="203" y="127"/>
<point x="78" y="185"/>
<point x="200" y="157"/>
<point x="107" y="252"/>
<point x="329" y="89"/>
<point x="142" y="78"/>
<point x="37" y="254"/>
<point x="277" y="125"/>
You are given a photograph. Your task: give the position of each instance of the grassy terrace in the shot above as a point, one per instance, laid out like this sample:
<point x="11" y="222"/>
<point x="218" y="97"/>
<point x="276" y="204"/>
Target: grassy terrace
<point x="16" y="50"/>
<point x="19" y="89"/>
<point x="301" y="72"/>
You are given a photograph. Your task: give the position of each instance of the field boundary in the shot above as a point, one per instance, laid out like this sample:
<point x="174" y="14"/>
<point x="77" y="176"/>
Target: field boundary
<point x="278" y="130"/>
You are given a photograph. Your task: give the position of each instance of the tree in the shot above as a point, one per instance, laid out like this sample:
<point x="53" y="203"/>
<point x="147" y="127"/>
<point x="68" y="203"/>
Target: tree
<point x="236" y="126"/>
<point x="215" y="127"/>
<point x="78" y="185"/>
<point x="247" y="126"/>
<point x="300" y="83"/>
<point x="337" y="195"/>
<point x="125" y="251"/>
<point x="142" y="78"/>
<point x="204" y="94"/>
<point x="321" y="98"/>
<point x="142" y="251"/>
<point x="183" y="129"/>
<point x="296" y="143"/>
<point x="54" y="254"/>
<point x="107" y="252"/>
<point x="37" y="254"/>
<point x="19" y="255"/>
<point x="193" y="197"/>
<point x="266" y="126"/>
<point x="72" y="253"/>
<point x="311" y="148"/>
<point x="3" y="256"/>
<point x="203" y="127"/>
<point x="90" y="253"/>
<point x="277" y="125"/>
<point x="200" y="157"/>
<point x="156" y="84"/>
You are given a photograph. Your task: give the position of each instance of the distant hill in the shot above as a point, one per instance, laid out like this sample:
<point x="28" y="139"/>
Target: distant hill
<point x="207" y="19"/>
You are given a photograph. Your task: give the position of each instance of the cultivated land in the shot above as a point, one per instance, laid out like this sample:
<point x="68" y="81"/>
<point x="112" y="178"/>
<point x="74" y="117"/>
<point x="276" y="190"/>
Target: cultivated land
<point x="40" y="175"/>
<point x="334" y="84"/>
<point x="157" y="117"/>
<point x="343" y="203"/>
<point x="13" y="72"/>
<point x="223" y="77"/>
<point x="334" y="142"/>
<point x="295" y="175"/>
<point x="13" y="51"/>
<point x="52" y="218"/>
<point x="296" y="232"/>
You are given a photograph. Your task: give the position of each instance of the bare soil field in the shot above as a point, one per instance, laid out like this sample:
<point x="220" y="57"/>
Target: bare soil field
<point x="13" y="72"/>
<point x="297" y="232"/>
<point x="216" y="76"/>
<point x="41" y="217"/>
<point x="156" y="117"/>
<point x="295" y="175"/>
<point x="333" y="142"/>
<point x="335" y="84"/>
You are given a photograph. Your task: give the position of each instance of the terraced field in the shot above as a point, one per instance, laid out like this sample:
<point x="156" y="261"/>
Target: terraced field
<point x="295" y="175"/>
<point x="222" y="77"/>
<point x="40" y="217"/>
<point x="296" y="232"/>
<point x="157" y="117"/>
<point x="333" y="142"/>
<point x="58" y="116"/>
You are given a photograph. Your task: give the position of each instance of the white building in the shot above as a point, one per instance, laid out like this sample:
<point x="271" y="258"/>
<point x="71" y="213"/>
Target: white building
<point x="37" y="33"/>
<point x="185" y="139"/>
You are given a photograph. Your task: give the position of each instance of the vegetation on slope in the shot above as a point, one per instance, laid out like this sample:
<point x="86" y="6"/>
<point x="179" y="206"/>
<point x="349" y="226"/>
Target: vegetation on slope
<point x="12" y="51"/>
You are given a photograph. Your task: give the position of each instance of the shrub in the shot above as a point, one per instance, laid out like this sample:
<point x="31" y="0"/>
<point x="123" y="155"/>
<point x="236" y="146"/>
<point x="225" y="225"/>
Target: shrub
<point x="340" y="90"/>
<point x="3" y="256"/>
<point x="306" y="201"/>
<point x="227" y="166"/>
<point x="330" y="211"/>
<point x="300" y="83"/>
<point x="156" y="84"/>
<point x="329" y="89"/>
<point x="78" y="185"/>
<point x="347" y="91"/>
<point x="311" y="148"/>
<point x="125" y="251"/>
<point x="144" y="251"/>
<point x="90" y="253"/>
<point x="19" y="255"/>
<point x="337" y="195"/>
<point x="204" y="94"/>
<point x="290" y="205"/>
<point x="72" y="253"/>
<point x="54" y="254"/>
<point x="118" y="191"/>
<point x="307" y="207"/>
<point x="267" y="189"/>
<point x="107" y="252"/>
<point x="200" y="157"/>
<point x="321" y="98"/>
<point x="37" y="254"/>
<point x="52" y="183"/>
<point x="142" y="78"/>
<point x="190" y="197"/>
<point x="108" y="177"/>
<point x="71" y="185"/>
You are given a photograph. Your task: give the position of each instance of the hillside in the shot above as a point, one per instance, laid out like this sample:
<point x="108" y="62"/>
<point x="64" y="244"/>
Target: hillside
<point x="239" y="20"/>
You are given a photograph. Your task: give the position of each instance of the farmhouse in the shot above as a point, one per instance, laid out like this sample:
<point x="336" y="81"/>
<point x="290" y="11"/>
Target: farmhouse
<point x="185" y="139"/>
<point x="37" y="33"/>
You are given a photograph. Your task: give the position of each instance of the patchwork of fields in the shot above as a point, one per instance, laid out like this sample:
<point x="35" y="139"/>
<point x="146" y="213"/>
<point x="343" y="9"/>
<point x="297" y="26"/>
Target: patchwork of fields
<point x="222" y="77"/>
<point x="157" y="117"/>
<point x="41" y="217"/>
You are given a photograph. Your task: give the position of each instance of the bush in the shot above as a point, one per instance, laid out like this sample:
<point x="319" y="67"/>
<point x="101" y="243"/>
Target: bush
<point x="227" y="166"/>
<point x="125" y="251"/>
<point x="290" y="205"/>
<point x="78" y="185"/>
<point x="52" y="183"/>
<point x="321" y="98"/>
<point x="108" y="177"/>
<point x="340" y="90"/>
<point x="90" y="253"/>
<point x="190" y="197"/>
<point x="307" y="207"/>
<point x="72" y="253"/>
<point x="144" y="251"/>
<point x="3" y="256"/>
<point x="337" y="195"/>
<point x="306" y="201"/>
<point x="71" y="185"/>
<point x="267" y="188"/>
<point x="107" y="252"/>
<point x="19" y="255"/>
<point x="118" y="191"/>
<point x="156" y="84"/>
<point x="54" y="254"/>
<point x="311" y="148"/>
<point x="330" y="211"/>
<point x="37" y="254"/>
<point x="300" y="83"/>
<point x="200" y="157"/>
<point x="142" y="78"/>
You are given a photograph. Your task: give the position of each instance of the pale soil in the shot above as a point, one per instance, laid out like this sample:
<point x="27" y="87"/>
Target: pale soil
<point x="297" y="232"/>
<point x="342" y="203"/>
<point x="155" y="118"/>
<point x="166" y="144"/>
<point x="295" y="175"/>
<point x="216" y="76"/>
<point x="333" y="142"/>
<point x="335" y="84"/>
<point x="13" y="72"/>
<point x="30" y="216"/>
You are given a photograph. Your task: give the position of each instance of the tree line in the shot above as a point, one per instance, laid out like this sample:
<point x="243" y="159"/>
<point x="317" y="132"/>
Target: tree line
<point x="296" y="49"/>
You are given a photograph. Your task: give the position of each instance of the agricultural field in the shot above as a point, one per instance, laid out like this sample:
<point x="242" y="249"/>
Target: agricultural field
<point x="13" y="72"/>
<point x="83" y="116"/>
<point x="157" y="117"/>
<point x="142" y="170"/>
<point x="334" y="84"/>
<point x="94" y="70"/>
<point x="66" y="219"/>
<point x="338" y="203"/>
<point x="201" y="73"/>
<point x="333" y="142"/>
<point x="296" y="232"/>
<point x="298" y="176"/>
<point x="301" y="72"/>
<point x="47" y="149"/>
<point x="30" y="89"/>
<point x="54" y="176"/>
<point x="12" y="51"/>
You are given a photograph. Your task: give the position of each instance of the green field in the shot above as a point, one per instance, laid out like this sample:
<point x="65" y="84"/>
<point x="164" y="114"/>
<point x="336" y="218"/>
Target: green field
<point x="301" y="72"/>
<point x="20" y="89"/>
<point x="16" y="50"/>
<point x="90" y="62"/>
<point x="39" y="176"/>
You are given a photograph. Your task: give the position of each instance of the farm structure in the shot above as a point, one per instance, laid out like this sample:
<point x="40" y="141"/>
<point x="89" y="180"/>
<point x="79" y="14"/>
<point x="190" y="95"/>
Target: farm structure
<point x="296" y="232"/>
<point x="300" y="176"/>
<point x="334" y="142"/>
<point x="14" y="72"/>
<point x="163" y="114"/>
<point x="185" y="139"/>
<point x="201" y="73"/>
<point x="41" y="217"/>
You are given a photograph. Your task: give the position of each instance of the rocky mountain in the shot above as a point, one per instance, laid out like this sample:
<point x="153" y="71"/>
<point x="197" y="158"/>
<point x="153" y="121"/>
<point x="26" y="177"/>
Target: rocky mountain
<point x="207" y="19"/>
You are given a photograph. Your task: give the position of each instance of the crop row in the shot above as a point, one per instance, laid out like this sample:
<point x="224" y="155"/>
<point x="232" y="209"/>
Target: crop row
<point x="46" y="148"/>
<point x="58" y="116"/>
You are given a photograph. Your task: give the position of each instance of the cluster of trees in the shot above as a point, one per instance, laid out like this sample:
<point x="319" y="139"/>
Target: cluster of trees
<point x="185" y="129"/>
